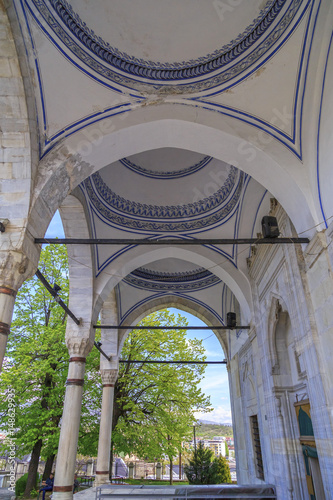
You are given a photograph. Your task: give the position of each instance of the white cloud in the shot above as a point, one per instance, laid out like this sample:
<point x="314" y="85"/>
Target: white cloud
<point x="215" y="354"/>
<point x="213" y="380"/>
<point x="221" y="414"/>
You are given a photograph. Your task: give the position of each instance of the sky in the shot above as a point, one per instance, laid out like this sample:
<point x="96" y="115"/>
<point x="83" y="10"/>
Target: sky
<point x="215" y="383"/>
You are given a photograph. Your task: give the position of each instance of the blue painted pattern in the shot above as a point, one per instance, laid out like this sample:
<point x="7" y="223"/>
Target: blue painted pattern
<point x="193" y="275"/>
<point x="118" y="211"/>
<point x="95" y="52"/>
<point x="170" y="174"/>
<point x="191" y="281"/>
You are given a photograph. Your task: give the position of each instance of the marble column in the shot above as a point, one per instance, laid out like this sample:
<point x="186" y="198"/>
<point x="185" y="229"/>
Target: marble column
<point x="70" y="424"/>
<point x="7" y="300"/>
<point x="109" y="378"/>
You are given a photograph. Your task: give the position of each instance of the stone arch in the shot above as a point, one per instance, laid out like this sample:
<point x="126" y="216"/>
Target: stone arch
<point x="63" y="168"/>
<point x="172" y="301"/>
<point x="233" y="278"/>
<point x="80" y="261"/>
<point x="19" y="158"/>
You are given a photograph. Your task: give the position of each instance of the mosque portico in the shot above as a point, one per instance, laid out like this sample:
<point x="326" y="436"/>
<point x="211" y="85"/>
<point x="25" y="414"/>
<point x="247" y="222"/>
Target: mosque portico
<point x="182" y="120"/>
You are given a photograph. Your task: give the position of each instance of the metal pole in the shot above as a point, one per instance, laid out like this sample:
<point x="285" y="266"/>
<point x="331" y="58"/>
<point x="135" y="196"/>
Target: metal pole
<point x="101" y="351"/>
<point x="195" y="441"/>
<point x="140" y="241"/>
<point x="177" y="362"/>
<point x="55" y="295"/>
<point x="154" y="327"/>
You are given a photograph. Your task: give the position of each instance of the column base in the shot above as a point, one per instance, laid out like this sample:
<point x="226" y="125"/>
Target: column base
<point x="101" y="479"/>
<point x="62" y="495"/>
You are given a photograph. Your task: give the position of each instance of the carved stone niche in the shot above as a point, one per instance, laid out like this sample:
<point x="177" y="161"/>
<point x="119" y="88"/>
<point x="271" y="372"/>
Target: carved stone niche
<point x="275" y="370"/>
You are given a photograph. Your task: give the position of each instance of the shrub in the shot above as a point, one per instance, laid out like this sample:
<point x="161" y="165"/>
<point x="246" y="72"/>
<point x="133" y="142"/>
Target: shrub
<point x="21" y="484"/>
<point x="221" y="470"/>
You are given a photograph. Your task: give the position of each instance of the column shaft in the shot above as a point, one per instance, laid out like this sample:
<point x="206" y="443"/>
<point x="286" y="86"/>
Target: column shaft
<point x="104" y="442"/>
<point x="109" y="377"/>
<point x="69" y="434"/>
<point x="7" y="300"/>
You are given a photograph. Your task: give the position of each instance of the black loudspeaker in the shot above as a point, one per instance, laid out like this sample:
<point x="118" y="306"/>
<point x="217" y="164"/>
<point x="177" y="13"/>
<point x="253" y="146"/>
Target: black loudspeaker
<point x="231" y="319"/>
<point x="270" y="227"/>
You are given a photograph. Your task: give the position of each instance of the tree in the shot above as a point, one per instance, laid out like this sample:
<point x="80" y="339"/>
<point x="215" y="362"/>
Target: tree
<point x="221" y="470"/>
<point x="37" y="361"/>
<point x="200" y="468"/>
<point x="36" y="368"/>
<point x="203" y="469"/>
<point x="155" y="403"/>
<point x="226" y="449"/>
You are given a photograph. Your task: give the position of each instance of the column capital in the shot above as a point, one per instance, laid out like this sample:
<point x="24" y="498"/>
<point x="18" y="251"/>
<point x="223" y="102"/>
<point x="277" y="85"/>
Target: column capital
<point x="79" y="346"/>
<point x="109" y="377"/>
<point x="15" y="268"/>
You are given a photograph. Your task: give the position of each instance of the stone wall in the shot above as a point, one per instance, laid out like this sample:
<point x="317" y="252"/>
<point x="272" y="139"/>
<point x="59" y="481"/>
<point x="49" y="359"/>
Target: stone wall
<point x="285" y="358"/>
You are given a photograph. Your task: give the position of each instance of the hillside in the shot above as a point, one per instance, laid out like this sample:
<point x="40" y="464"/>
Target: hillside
<point x="210" y="430"/>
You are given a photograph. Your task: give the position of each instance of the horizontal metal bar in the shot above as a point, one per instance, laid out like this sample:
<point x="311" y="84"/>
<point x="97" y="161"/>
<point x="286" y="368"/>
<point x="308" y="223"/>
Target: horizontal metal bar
<point x="153" y="327"/>
<point x="143" y="494"/>
<point x="177" y="362"/>
<point x="210" y="241"/>
<point x="102" y="352"/>
<point x="181" y="496"/>
<point x="178" y="496"/>
<point x="55" y="295"/>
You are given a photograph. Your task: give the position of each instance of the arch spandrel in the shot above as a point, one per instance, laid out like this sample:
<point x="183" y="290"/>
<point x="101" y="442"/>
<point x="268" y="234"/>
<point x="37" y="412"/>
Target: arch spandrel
<point x="64" y="168"/>
<point x="80" y="263"/>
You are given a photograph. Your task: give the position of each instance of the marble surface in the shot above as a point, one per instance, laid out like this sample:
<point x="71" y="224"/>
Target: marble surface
<point x="209" y="491"/>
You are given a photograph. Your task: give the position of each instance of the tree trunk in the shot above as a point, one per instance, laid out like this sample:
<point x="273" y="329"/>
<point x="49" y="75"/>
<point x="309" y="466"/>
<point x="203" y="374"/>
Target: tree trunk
<point x="48" y="467"/>
<point x="33" y="467"/>
<point x="171" y="475"/>
<point x="180" y="466"/>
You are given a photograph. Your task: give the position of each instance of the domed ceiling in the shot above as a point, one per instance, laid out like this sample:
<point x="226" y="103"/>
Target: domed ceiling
<point x="152" y="193"/>
<point x="170" y="192"/>
<point x="162" y="42"/>
<point x="99" y="60"/>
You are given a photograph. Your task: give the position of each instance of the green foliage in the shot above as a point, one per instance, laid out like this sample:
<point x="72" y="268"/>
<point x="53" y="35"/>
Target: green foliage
<point x="221" y="471"/>
<point x="21" y="484"/>
<point x="226" y="449"/>
<point x="200" y="469"/>
<point x="36" y="365"/>
<point x="208" y="431"/>
<point x="37" y="358"/>
<point x="203" y="469"/>
<point x="155" y="403"/>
